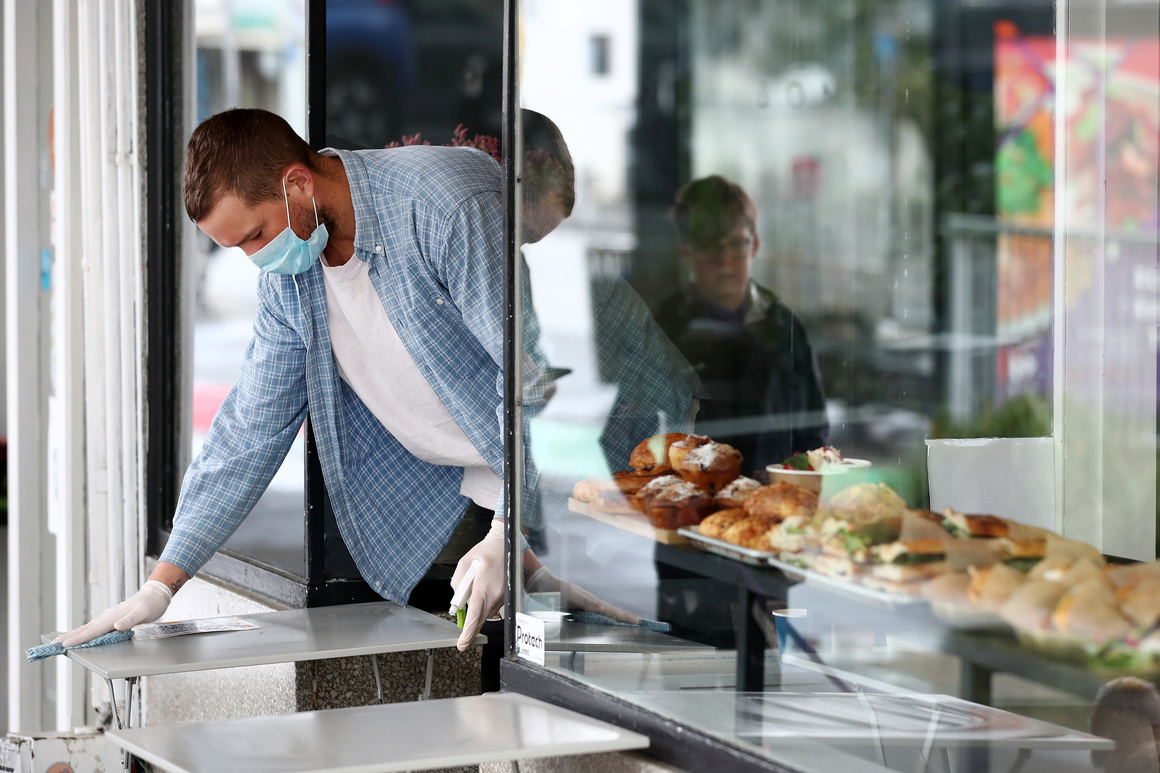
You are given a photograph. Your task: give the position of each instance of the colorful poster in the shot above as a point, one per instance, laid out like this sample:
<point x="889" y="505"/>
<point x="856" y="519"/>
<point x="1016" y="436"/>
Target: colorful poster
<point x="1110" y="201"/>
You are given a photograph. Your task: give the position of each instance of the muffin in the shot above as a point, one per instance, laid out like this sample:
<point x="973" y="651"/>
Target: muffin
<point x="681" y="504"/>
<point x="735" y="493"/>
<point x="653" y="453"/>
<point x="678" y="449"/>
<point x="712" y="466"/>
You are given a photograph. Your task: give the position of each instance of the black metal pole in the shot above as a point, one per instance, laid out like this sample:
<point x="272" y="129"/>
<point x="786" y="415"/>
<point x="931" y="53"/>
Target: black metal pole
<point x="314" y="494"/>
<point x="162" y="268"/>
<point x="513" y="415"/>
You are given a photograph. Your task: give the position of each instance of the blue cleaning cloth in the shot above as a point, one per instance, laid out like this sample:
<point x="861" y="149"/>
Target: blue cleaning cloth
<point x="56" y="648"/>
<point x="584" y="616"/>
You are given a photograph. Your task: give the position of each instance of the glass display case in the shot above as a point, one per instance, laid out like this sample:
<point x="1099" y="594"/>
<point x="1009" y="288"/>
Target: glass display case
<point x="839" y="375"/>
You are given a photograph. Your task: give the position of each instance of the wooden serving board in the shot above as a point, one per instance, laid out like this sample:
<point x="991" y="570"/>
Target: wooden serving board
<point x="636" y="524"/>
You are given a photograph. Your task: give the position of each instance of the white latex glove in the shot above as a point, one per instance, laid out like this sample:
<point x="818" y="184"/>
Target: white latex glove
<point x="144" y="606"/>
<point x="574" y="597"/>
<point x="487" y="590"/>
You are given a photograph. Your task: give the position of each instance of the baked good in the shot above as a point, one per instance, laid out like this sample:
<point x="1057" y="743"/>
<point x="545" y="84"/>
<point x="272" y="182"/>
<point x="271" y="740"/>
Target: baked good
<point x="1030" y="605"/>
<point x="615" y="502"/>
<point x="795" y="534"/>
<point x="712" y="466"/>
<point x="630" y="482"/>
<point x="1088" y="610"/>
<point x="781" y="500"/>
<point x="866" y="500"/>
<point x="752" y="532"/>
<point x="587" y="489"/>
<point x="909" y="560"/>
<point x="1141" y="602"/>
<point x="714" y="525"/>
<point x="973" y="525"/>
<point x="653" y="453"/>
<point x="992" y="585"/>
<point x="854" y="539"/>
<point x="736" y="492"/>
<point x="681" y="504"/>
<point x="678" y="449"/>
<point x="949" y="588"/>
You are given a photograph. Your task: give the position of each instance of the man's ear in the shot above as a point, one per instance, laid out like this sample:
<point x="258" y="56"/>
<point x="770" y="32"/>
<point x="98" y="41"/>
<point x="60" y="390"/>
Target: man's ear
<point x="685" y="253"/>
<point x="756" y="246"/>
<point x="299" y="177"/>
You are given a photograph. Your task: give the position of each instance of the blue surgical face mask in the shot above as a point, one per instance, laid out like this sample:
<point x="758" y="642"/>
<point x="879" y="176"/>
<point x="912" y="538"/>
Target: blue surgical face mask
<point x="288" y="254"/>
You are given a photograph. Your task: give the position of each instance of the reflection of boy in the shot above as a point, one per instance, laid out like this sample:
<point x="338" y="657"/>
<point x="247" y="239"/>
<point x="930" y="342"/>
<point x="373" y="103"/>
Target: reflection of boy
<point x="752" y="353"/>
<point x="1128" y="712"/>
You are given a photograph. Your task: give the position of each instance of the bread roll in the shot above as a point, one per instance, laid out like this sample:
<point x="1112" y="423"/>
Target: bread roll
<point x="781" y="500"/>
<point x="714" y="525"/>
<point x="653" y="453"/>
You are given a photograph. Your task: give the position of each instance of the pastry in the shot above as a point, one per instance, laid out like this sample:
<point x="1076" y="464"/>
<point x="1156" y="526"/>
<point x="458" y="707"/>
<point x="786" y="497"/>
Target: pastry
<point x="630" y="482"/>
<point x="752" y="532"/>
<point x="678" y="449"/>
<point x="653" y="453"/>
<point x="736" y="492"/>
<point x="615" y="502"/>
<point x="586" y="490"/>
<point x="681" y="504"/>
<point x="714" y="525"/>
<point x="781" y="500"/>
<point x="712" y="466"/>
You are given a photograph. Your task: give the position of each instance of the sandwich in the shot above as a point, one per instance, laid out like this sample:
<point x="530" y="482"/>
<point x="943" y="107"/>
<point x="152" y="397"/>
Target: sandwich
<point x="1089" y="610"/>
<point x="1030" y="605"/>
<point x="909" y="560"/>
<point x="992" y="585"/>
<point x="973" y="525"/>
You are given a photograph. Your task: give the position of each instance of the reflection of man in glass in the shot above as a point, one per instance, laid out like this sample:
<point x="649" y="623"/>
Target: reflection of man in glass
<point x="656" y="389"/>
<point x="764" y="389"/>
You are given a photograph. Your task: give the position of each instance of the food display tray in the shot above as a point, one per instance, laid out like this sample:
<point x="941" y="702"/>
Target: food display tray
<point x="967" y="618"/>
<point x="636" y="524"/>
<point x="727" y="549"/>
<point x="847" y="587"/>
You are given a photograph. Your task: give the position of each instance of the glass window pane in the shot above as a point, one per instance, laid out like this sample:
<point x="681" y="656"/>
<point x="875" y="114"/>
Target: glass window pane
<point x="250" y="53"/>
<point x="893" y="265"/>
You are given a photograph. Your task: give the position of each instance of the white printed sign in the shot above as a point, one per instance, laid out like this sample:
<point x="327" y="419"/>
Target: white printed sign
<point x="530" y="638"/>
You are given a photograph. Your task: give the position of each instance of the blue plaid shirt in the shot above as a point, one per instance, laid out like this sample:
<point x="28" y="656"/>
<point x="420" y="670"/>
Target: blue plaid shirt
<point x="429" y="222"/>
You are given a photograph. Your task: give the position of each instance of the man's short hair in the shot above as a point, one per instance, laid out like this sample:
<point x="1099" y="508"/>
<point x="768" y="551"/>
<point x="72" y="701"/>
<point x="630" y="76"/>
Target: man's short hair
<point x="706" y="210"/>
<point x="241" y="152"/>
<point x="548" y="166"/>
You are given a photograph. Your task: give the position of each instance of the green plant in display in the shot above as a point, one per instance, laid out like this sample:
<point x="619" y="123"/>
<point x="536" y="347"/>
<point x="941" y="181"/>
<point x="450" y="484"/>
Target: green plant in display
<point x="1026" y="415"/>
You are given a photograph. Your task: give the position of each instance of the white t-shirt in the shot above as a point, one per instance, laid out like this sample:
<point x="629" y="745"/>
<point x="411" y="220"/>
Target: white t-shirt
<point x="373" y="361"/>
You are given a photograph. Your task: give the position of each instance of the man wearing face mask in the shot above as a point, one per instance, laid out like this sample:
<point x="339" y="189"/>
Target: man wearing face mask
<point x="380" y="311"/>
